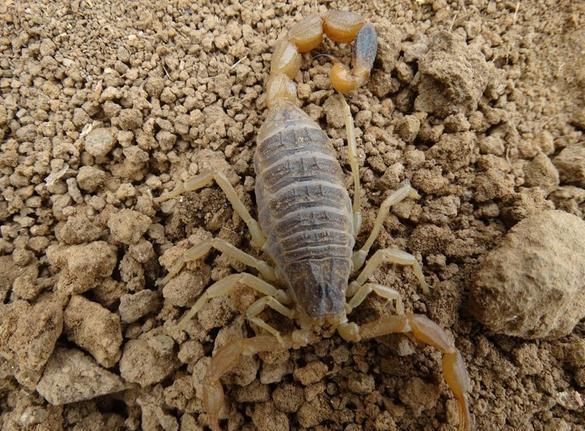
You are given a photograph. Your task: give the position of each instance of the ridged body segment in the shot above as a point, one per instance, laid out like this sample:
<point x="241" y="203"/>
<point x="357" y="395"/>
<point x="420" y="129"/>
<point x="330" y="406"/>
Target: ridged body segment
<point x="304" y="209"/>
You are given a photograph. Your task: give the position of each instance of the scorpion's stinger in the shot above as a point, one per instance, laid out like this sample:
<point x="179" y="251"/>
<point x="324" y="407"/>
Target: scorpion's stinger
<point x="339" y="26"/>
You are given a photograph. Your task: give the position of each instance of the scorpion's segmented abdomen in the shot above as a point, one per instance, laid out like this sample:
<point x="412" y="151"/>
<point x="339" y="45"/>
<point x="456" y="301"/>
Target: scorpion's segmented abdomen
<point x="304" y="209"/>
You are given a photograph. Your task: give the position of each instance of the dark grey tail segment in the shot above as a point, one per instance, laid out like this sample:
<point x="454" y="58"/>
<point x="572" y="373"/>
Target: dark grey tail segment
<point x="366" y="46"/>
<point x="304" y="209"/>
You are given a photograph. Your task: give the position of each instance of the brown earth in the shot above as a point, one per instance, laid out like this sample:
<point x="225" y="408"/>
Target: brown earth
<point x="105" y="105"/>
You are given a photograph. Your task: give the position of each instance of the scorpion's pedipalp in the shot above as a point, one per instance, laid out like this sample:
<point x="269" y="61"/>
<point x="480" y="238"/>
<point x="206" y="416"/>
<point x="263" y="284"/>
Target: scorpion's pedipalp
<point x="428" y="332"/>
<point x="225" y="359"/>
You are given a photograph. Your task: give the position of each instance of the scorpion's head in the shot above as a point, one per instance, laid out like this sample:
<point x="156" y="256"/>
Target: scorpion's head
<point x="319" y="287"/>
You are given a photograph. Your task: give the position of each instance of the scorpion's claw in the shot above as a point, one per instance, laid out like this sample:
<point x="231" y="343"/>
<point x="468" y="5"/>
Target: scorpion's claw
<point x="213" y="401"/>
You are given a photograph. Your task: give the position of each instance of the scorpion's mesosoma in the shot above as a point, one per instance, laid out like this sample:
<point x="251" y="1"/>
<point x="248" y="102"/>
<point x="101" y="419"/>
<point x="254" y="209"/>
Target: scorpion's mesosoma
<point x="307" y="225"/>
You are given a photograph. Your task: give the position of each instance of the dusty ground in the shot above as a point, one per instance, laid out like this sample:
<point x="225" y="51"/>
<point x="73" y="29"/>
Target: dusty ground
<point x="105" y="104"/>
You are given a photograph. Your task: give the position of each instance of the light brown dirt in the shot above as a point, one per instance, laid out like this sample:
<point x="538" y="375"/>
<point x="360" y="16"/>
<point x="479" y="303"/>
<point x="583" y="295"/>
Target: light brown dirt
<point x="104" y="105"/>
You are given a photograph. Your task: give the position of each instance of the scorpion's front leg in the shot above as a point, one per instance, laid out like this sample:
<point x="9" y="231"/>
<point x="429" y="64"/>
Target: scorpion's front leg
<point x="228" y="284"/>
<point x="388" y="255"/>
<point x="198" y="251"/>
<point x="229" y="355"/>
<point x="205" y="180"/>
<point x="428" y="332"/>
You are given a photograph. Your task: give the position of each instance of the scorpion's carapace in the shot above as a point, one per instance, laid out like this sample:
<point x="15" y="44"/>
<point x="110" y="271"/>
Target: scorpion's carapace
<point x="307" y="225"/>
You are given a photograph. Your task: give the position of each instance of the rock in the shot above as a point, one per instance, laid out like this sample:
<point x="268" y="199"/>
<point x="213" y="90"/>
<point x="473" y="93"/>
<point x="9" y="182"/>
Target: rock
<point x="28" y="335"/>
<point x="79" y="229"/>
<point x="90" y="178"/>
<point x="418" y="395"/>
<point x="571" y="165"/>
<point x="267" y="418"/>
<point x="184" y="289"/>
<point x="147" y="361"/>
<point x="83" y="265"/>
<point x="72" y="376"/>
<point x="541" y="172"/>
<point x="531" y="286"/>
<point x="95" y="329"/>
<point x="99" y="142"/>
<point x="452" y="76"/>
<point x="130" y="119"/>
<point x="133" y="307"/>
<point x="313" y="372"/>
<point x="128" y="226"/>
<point x="288" y="397"/>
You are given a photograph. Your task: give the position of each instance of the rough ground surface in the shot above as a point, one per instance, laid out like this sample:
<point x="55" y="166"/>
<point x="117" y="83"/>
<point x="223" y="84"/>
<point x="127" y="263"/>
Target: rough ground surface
<point x="104" y="105"/>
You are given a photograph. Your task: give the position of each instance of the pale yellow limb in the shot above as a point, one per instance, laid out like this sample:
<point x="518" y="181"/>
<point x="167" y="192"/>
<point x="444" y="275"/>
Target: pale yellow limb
<point x="428" y="332"/>
<point x="200" y="250"/>
<point x="229" y="355"/>
<point x="388" y="255"/>
<point x="353" y="163"/>
<point x="260" y="305"/>
<point x="227" y="285"/>
<point x="405" y="191"/>
<point x="258" y="237"/>
<point x="385" y="292"/>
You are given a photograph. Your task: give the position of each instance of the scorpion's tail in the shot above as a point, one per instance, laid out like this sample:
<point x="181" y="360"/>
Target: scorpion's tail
<point x="339" y="26"/>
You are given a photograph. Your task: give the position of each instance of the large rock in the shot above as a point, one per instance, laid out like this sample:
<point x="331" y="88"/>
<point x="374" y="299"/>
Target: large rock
<point x="28" y="334"/>
<point x="72" y="376"/>
<point x="95" y="329"/>
<point x="452" y="76"/>
<point x="533" y="284"/>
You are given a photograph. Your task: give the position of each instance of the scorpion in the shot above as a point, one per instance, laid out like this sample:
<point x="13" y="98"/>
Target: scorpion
<point x="307" y="225"/>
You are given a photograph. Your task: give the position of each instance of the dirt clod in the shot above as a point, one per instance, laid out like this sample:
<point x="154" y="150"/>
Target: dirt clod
<point x="72" y="376"/>
<point x="532" y="285"/>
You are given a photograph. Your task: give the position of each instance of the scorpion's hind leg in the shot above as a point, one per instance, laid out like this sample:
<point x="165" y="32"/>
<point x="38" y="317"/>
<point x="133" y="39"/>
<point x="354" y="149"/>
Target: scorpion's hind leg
<point x="204" y="180"/>
<point x="428" y="332"/>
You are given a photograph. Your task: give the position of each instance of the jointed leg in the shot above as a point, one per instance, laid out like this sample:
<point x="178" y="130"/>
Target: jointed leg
<point x="385" y="292"/>
<point x="260" y="305"/>
<point x="405" y="191"/>
<point x="200" y="250"/>
<point x="205" y="180"/>
<point x="388" y="255"/>
<point x="227" y="285"/>
<point x="428" y="332"/>
<point x="355" y="169"/>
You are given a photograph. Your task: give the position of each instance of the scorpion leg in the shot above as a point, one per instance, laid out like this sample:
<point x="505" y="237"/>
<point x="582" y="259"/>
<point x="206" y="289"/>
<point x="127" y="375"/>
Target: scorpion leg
<point x="205" y="180"/>
<point x="388" y="255"/>
<point x="385" y="292"/>
<point x="227" y="285"/>
<point x="427" y="332"/>
<point x="355" y="169"/>
<point x="200" y="250"/>
<point x="260" y="305"/>
<point x="405" y="191"/>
